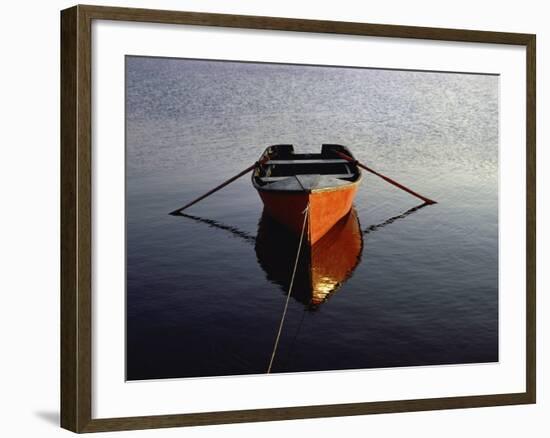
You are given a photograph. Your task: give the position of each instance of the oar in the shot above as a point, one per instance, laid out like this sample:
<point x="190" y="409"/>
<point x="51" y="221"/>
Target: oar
<point x="221" y="186"/>
<point x="385" y="178"/>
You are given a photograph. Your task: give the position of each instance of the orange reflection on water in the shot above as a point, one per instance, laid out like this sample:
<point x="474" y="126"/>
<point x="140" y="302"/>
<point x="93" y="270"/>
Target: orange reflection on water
<point x="322" y="269"/>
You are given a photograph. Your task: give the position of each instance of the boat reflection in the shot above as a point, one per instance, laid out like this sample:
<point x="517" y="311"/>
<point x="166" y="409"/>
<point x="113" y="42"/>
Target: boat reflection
<point x="322" y="268"/>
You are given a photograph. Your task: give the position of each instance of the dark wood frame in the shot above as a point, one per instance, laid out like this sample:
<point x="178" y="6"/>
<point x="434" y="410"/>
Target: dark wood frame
<point x="76" y="309"/>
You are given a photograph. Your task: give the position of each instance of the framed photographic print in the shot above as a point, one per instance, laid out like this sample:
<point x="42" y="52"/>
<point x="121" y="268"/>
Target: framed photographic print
<point x="271" y="218"/>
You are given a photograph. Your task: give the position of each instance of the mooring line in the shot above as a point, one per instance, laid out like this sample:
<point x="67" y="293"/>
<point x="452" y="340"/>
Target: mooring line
<point x="306" y="212"/>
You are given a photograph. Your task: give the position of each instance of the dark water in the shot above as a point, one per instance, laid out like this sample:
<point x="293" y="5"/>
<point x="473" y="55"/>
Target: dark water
<point x="201" y="298"/>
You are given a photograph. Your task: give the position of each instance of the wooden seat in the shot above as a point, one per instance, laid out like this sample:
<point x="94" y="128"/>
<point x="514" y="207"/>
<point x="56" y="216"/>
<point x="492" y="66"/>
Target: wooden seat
<point x="269" y="179"/>
<point x="320" y="161"/>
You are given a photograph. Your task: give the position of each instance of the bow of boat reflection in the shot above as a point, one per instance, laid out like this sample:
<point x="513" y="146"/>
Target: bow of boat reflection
<point x="322" y="268"/>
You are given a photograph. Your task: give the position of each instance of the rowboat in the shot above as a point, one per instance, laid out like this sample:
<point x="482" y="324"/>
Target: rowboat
<point x="325" y="183"/>
<point x="322" y="269"/>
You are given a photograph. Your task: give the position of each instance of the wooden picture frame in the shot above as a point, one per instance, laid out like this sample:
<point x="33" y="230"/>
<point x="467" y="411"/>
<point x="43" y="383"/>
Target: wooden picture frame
<point x="76" y="217"/>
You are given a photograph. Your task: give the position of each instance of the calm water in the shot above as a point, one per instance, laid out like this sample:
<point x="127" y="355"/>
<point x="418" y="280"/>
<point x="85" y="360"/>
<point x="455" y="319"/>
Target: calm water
<point x="201" y="298"/>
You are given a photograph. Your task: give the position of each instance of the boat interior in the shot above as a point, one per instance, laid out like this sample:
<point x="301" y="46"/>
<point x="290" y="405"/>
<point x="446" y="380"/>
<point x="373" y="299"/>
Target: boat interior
<point x="284" y="169"/>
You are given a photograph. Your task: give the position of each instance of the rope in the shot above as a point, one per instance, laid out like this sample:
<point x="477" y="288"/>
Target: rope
<point x="305" y="212"/>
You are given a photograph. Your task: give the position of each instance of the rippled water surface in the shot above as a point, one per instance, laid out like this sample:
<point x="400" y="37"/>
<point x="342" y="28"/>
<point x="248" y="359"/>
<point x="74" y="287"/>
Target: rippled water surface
<point x="206" y="291"/>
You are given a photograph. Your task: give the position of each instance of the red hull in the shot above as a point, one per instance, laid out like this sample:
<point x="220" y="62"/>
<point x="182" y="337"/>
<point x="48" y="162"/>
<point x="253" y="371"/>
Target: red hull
<point x="326" y="208"/>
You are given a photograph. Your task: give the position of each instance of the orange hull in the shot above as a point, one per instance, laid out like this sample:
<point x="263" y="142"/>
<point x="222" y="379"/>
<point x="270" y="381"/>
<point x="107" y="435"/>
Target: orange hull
<point x="290" y="182"/>
<point x="326" y="208"/>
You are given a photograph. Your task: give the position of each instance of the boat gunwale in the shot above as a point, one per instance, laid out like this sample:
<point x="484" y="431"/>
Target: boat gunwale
<point x="348" y="185"/>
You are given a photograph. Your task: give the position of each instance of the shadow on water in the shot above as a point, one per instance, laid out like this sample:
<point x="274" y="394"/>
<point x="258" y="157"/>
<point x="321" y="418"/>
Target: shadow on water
<point x="322" y="269"/>
<point x="392" y="219"/>
<point x="220" y="226"/>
